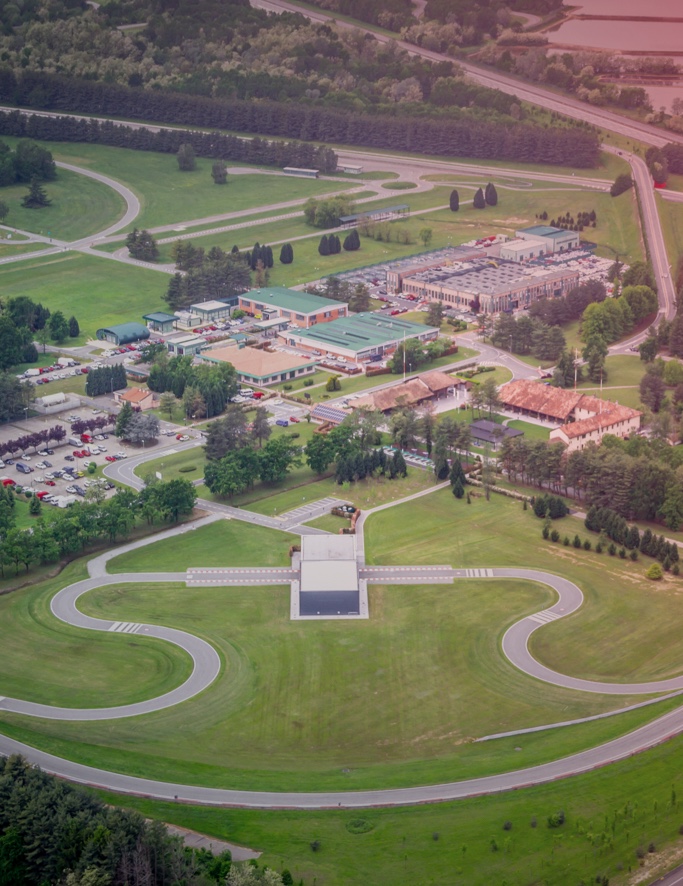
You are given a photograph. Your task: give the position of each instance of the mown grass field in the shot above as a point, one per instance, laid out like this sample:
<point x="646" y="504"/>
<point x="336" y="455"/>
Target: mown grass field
<point x="291" y="707"/>
<point x="99" y="292"/>
<point x="80" y="206"/>
<point x="166" y="194"/>
<point x="609" y="814"/>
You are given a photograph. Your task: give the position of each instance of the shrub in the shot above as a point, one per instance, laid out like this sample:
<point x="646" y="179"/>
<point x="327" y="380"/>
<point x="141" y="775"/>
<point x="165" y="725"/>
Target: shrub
<point x="655" y="572"/>
<point x="598" y="548"/>
<point x="315" y="845"/>
<point x="587" y="545"/>
<point x="622" y="553"/>
<point x="554" y="535"/>
<point x="187" y="469"/>
<point x="294" y="435"/>
<point x="507" y="826"/>
<point x="533" y="823"/>
<point x="612" y="549"/>
<point x="651" y="848"/>
<point x="676" y="569"/>
<point x="287" y="387"/>
<point x="634" y="555"/>
<point x="556" y="820"/>
<point x="640" y="852"/>
<point x="359" y="826"/>
<point x="565" y="541"/>
<point x="308" y="382"/>
<point x="577" y="541"/>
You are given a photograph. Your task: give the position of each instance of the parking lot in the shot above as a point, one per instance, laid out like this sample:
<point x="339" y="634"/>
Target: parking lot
<point x="60" y="471"/>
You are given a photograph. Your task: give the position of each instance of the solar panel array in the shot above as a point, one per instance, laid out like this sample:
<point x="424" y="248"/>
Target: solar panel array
<point x="329" y="413"/>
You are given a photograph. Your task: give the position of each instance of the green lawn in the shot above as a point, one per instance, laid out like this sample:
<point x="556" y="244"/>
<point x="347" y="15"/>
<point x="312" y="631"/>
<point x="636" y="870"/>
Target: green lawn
<point x="531" y="432"/>
<point x="671" y="215"/>
<point x="80" y="206"/>
<point x="97" y="291"/>
<point x="224" y="542"/>
<point x="291" y="708"/>
<point x="50" y="662"/>
<point x="609" y="813"/>
<point x="166" y="194"/>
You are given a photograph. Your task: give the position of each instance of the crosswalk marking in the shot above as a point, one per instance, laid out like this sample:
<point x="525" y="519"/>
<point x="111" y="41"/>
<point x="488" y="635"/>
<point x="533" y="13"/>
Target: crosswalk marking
<point x="544" y="617"/>
<point x="479" y="573"/>
<point x="125" y="627"/>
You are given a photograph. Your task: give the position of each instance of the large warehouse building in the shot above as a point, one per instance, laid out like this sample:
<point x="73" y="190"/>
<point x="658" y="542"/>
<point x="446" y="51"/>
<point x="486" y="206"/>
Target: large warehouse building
<point x="358" y="336"/>
<point x="495" y="285"/>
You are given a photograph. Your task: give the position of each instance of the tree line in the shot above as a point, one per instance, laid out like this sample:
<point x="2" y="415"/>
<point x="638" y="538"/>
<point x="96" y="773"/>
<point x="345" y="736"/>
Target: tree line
<point x="53" y="832"/>
<point x="26" y="442"/>
<point x="636" y="478"/>
<point x="26" y="162"/>
<point x="22" y="321"/>
<point x="106" y="380"/>
<point x="262" y="152"/>
<point x="215" y="275"/>
<point x="72" y="530"/>
<point x="520" y="142"/>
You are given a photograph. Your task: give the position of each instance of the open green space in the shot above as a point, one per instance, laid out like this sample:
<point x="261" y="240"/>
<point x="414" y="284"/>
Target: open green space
<point x="7" y="248"/>
<point x="531" y="432"/>
<point x="609" y="813"/>
<point x="217" y="544"/>
<point x="623" y="371"/>
<point x="671" y="216"/>
<point x="166" y="194"/>
<point x="399" y="186"/>
<point x="98" y="291"/>
<point x="47" y="661"/>
<point x="291" y="708"/>
<point x="80" y="206"/>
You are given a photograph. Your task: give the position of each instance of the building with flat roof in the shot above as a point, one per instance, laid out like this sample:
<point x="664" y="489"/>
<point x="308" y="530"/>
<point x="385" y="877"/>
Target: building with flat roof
<point x="329" y="583"/>
<point x="260" y="367"/>
<point x="160" y="321"/>
<point x="496" y="285"/>
<point x="210" y="311"/>
<point x="398" y="271"/>
<point x="299" y="309"/>
<point x="554" y="239"/>
<point x="184" y="344"/>
<point x="123" y="333"/>
<point x="357" y="336"/>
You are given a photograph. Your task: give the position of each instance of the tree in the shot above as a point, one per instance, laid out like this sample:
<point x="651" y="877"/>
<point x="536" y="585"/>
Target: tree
<point x="142" y="246"/>
<point x="489" y="396"/>
<point x="219" y="173"/>
<point x="458" y="489"/>
<point x="260" y="426"/>
<point x="425" y="235"/>
<point x="37" y="196"/>
<point x="74" y="328"/>
<point x="479" y="201"/>
<point x="175" y="498"/>
<point x="491" y="195"/>
<point x="227" y="434"/>
<point x="454" y="201"/>
<point x="652" y="391"/>
<point x="186" y="158"/>
<point x="435" y="314"/>
<point x="621" y="184"/>
<point x="352" y="241"/>
<point x="277" y="458"/>
<point x="59" y="328"/>
<point x="324" y="246"/>
<point x="4" y="211"/>
<point x="359" y="300"/>
<point x="123" y="420"/>
<point x="648" y="349"/>
<point x="320" y="453"/>
<point x="286" y="254"/>
<point x="167" y="403"/>
<point x="141" y="428"/>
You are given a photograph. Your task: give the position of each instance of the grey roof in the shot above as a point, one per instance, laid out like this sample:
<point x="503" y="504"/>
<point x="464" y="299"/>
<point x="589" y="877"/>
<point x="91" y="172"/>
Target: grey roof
<point x="491" y="431"/>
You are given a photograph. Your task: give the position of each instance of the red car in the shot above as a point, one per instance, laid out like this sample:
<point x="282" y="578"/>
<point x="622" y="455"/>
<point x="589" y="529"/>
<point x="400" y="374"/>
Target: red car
<point x="41" y="494"/>
<point x="294" y="419"/>
<point x="50" y="483"/>
<point x="8" y="482"/>
<point x="110" y="458"/>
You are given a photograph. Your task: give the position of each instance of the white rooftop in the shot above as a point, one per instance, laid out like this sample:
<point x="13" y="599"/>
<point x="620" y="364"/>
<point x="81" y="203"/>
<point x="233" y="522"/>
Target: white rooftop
<point x="328" y="547"/>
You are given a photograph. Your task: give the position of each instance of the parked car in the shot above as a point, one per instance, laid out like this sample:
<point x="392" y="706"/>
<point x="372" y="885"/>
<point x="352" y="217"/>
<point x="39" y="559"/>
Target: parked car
<point x="69" y="458"/>
<point x="24" y="468"/>
<point x="26" y="458"/>
<point x="110" y="458"/>
<point x="282" y="422"/>
<point x="294" y="419"/>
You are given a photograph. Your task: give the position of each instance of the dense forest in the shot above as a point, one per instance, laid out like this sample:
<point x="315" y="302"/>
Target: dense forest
<point x="228" y="66"/>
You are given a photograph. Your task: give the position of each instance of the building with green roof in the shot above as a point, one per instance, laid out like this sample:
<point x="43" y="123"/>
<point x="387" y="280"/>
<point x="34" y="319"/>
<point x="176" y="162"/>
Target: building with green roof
<point x="358" y="336"/>
<point x="123" y="333"/>
<point x="160" y="321"/>
<point x="300" y="309"/>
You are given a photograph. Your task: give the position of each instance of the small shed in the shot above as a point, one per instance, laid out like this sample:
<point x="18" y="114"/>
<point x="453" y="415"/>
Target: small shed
<point x="491" y="433"/>
<point x="160" y="321"/>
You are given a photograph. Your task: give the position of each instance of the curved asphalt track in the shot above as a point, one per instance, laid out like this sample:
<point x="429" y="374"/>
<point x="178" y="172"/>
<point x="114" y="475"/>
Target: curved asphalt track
<point x="207" y="667"/>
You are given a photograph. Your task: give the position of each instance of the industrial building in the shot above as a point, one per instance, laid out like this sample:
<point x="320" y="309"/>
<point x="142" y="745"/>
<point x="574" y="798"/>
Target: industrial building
<point x="493" y="285"/>
<point x="123" y="333"/>
<point x="185" y="344"/>
<point x="358" y="336"/>
<point x="299" y="309"/>
<point x="160" y="321"/>
<point x="211" y="311"/>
